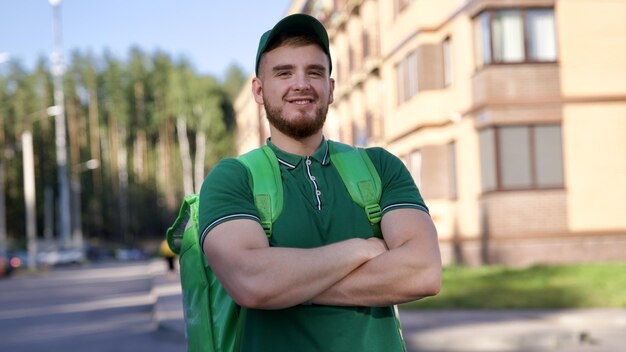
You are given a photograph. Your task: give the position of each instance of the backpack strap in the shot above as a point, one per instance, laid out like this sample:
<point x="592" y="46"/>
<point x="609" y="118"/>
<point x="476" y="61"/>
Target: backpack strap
<point x="359" y="176"/>
<point x="267" y="185"/>
<point x="353" y="164"/>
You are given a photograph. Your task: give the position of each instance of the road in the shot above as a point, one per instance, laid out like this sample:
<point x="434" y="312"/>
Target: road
<point x="97" y="308"/>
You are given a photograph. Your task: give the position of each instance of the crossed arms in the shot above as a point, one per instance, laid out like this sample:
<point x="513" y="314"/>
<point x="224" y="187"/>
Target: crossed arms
<point x="357" y="272"/>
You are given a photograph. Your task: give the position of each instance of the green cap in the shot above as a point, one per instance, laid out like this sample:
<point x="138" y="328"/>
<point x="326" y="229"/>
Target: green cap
<point x="295" y="24"/>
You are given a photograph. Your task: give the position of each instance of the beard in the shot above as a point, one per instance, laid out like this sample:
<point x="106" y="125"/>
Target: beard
<point x="298" y="128"/>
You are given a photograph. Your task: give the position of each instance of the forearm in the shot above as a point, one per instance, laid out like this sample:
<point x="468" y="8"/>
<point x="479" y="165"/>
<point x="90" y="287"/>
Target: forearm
<point x="410" y="270"/>
<point x="277" y="277"/>
<point x="394" y="277"/>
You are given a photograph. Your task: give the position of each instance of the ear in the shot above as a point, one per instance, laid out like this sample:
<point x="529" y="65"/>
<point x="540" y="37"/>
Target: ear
<point x="257" y="90"/>
<point x="331" y="89"/>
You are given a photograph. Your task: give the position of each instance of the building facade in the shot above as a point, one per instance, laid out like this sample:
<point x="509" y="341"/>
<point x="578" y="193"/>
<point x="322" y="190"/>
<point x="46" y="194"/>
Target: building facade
<point x="510" y="115"/>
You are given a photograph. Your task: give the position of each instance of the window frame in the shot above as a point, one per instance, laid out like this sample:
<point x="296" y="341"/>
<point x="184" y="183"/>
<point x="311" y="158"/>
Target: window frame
<point x="498" y="166"/>
<point x="448" y="66"/>
<point x="482" y="60"/>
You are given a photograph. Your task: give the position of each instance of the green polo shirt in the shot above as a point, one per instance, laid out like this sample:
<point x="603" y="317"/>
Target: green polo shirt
<point x="317" y="210"/>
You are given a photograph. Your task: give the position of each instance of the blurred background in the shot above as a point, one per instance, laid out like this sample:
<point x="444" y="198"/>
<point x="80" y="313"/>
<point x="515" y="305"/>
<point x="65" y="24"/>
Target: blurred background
<point x="510" y="116"/>
<point x="94" y="100"/>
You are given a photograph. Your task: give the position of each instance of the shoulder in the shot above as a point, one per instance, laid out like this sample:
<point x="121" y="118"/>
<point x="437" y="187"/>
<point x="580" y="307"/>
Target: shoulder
<point x="225" y="167"/>
<point x="228" y="177"/>
<point x="225" y="195"/>
<point x="379" y="153"/>
<point x="383" y="160"/>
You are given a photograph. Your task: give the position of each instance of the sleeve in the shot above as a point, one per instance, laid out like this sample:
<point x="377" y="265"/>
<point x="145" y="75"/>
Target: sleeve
<point x="398" y="187"/>
<point x="225" y="195"/>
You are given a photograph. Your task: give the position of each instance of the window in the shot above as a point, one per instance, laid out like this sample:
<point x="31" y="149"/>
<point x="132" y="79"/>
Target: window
<point x="507" y="36"/>
<point x="447" y="62"/>
<point x="371" y="130"/>
<point x="541" y="36"/>
<point x="359" y="135"/>
<point x="521" y="157"/>
<point x="488" y="159"/>
<point x="400" y="5"/>
<point x="406" y="76"/>
<point x="548" y="156"/>
<point x="351" y="59"/>
<point x="515" y="36"/>
<point x="438" y="171"/>
<point x="451" y="152"/>
<point x="366" y="44"/>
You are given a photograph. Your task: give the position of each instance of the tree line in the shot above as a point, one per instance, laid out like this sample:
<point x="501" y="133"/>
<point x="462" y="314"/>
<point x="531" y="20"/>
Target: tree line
<point x="154" y="124"/>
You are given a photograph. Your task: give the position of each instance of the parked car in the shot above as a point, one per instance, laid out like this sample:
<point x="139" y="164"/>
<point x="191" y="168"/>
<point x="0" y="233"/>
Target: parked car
<point x="5" y="266"/>
<point x="60" y="257"/>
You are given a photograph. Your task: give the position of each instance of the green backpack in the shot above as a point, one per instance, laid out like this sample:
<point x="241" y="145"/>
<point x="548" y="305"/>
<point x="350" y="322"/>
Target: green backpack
<point x="213" y="320"/>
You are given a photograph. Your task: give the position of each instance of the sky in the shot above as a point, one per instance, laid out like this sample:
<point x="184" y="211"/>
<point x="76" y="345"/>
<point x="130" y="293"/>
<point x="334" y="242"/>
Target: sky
<point x="211" y="34"/>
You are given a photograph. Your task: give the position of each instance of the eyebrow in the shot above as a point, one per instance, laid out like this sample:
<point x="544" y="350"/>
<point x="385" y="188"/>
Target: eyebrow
<point x="282" y="67"/>
<point x="290" y="67"/>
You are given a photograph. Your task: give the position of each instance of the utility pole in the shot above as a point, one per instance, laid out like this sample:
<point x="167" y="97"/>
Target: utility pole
<point x="3" y="214"/>
<point x="64" y="212"/>
<point x="29" y="198"/>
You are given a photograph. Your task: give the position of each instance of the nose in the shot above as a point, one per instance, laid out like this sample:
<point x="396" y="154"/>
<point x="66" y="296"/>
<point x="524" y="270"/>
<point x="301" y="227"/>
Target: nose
<point x="302" y="82"/>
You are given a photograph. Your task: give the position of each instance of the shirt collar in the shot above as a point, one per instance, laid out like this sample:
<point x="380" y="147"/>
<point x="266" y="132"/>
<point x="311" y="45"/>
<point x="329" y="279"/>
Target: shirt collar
<point x="292" y="160"/>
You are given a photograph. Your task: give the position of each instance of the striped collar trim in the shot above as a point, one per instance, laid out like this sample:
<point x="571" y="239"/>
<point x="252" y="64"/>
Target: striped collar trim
<point x="283" y="162"/>
<point x="291" y="161"/>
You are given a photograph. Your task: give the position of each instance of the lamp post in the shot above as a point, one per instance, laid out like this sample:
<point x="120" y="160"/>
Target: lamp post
<point x="60" y="129"/>
<point x="29" y="192"/>
<point x="29" y="198"/>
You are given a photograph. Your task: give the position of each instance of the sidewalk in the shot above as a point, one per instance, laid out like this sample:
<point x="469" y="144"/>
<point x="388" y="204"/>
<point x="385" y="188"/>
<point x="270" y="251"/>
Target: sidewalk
<point x="515" y="330"/>
<point x="595" y="330"/>
<point x="168" y="304"/>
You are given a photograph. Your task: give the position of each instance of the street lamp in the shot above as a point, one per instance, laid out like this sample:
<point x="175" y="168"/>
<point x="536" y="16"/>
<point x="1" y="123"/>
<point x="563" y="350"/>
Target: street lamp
<point x="29" y="191"/>
<point x="29" y="198"/>
<point x="60" y="128"/>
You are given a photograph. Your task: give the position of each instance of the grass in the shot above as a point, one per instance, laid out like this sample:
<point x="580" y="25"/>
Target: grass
<point x="536" y="287"/>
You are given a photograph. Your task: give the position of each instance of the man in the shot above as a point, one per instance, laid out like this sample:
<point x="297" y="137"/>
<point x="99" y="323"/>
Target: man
<point x="322" y="281"/>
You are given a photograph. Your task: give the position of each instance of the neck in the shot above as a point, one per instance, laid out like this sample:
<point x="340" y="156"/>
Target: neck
<point x="304" y="146"/>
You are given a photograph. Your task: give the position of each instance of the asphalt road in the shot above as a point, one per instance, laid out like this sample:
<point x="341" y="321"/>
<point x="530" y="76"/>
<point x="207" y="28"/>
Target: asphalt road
<point x="105" y="307"/>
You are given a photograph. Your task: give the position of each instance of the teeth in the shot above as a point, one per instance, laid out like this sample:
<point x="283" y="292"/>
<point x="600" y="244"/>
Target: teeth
<point x="301" y="102"/>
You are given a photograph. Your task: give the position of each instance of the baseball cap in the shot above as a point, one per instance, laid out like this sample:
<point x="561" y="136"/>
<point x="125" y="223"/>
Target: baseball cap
<point x="298" y="23"/>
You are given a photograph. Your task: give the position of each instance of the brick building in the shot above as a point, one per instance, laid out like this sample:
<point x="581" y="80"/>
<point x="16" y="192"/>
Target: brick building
<point x="510" y="114"/>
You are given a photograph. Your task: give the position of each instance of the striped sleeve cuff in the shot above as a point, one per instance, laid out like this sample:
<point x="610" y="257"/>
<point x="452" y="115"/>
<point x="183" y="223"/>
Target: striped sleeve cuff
<point x="223" y="219"/>
<point x="405" y="205"/>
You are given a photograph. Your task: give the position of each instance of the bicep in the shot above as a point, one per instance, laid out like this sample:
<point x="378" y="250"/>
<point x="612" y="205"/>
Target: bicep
<point x="407" y="224"/>
<point x="226" y="247"/>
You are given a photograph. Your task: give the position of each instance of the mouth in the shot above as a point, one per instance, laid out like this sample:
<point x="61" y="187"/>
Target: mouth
<point x="301" y="101"/>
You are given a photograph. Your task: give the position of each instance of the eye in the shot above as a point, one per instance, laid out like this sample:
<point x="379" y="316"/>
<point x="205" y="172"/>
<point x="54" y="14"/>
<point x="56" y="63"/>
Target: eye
<point x="316" y="72"/>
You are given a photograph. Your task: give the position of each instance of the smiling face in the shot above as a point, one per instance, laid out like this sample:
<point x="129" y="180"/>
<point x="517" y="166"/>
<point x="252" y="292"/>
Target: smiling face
<point x="295" y="86"/>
